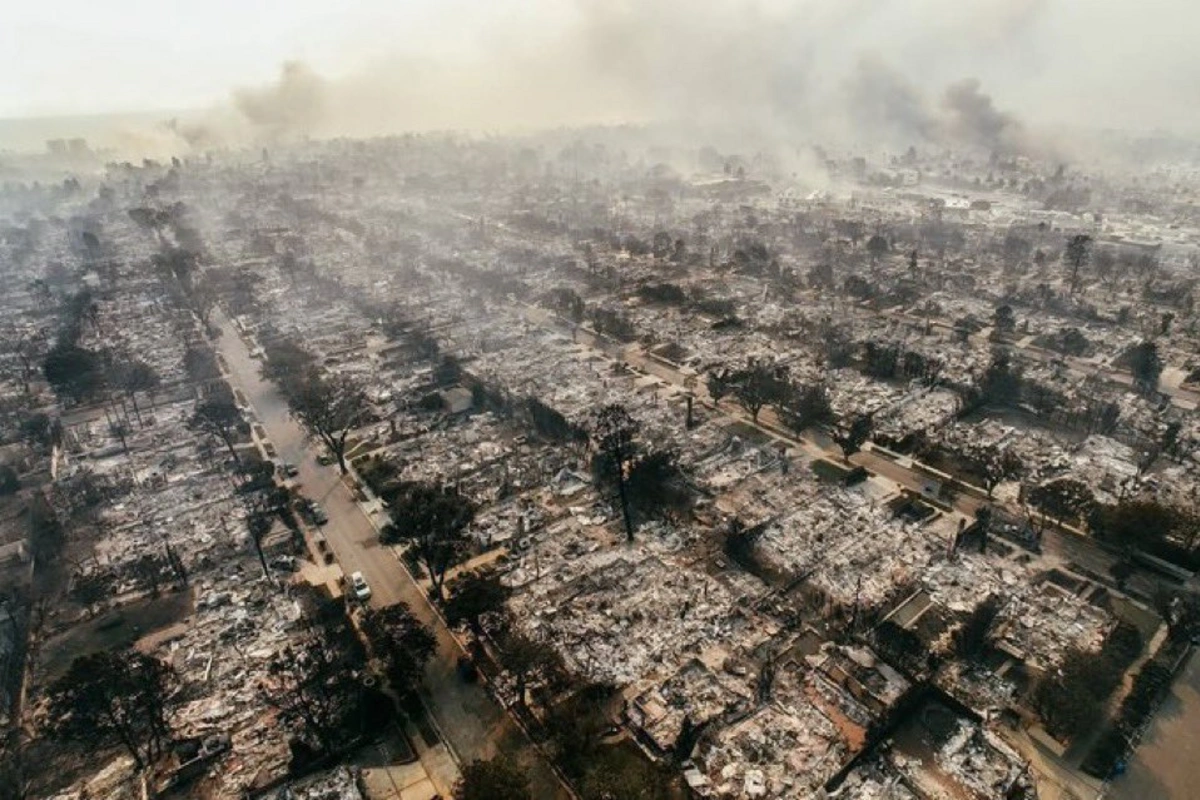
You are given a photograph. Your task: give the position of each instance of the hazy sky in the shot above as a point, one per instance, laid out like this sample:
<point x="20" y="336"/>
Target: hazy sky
<point x="84" y="56"/>
<point x="489" y="62"/>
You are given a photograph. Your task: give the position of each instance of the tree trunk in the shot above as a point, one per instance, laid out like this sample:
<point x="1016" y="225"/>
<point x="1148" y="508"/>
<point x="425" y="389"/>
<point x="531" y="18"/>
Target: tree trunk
<point x="624" y="503"/>
<point x="521" y="691"/>
<point x="336" y="447"/>
<point x="225" y="437"/>
<point x="437" y="580"/>
<point x="126" y="739"/>
<point x="137" y="411"/>
<point x="262" y="559"/>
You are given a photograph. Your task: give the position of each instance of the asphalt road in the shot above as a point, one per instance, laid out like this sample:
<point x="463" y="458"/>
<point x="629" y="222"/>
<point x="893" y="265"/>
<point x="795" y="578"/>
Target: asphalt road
<point x="1166" y="764"/>
<point x="470" y="721"/>
<point x="349" y="533"/>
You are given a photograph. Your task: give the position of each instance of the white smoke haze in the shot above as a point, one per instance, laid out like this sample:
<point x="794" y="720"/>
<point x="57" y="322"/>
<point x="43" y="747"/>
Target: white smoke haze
<point x="996" y="75"/>
<point x="293" y="105"/>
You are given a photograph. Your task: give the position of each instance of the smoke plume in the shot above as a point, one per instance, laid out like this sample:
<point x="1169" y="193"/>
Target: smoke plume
<point x="974" y="120"/>
<point x="881" y="73"/>
<point x="294" y="104"/>
<point x="781" y="70"/>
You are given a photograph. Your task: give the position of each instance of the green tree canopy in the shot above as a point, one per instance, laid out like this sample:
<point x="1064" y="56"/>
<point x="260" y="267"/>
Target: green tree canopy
<point x="433" y="520"/>
<point x="117" y="696"/>
<point x="402" y="643"/>
<point x="73" y="372"/>
<point x="329" y="407"/>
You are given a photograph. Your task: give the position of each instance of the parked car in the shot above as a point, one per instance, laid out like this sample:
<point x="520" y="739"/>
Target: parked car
<point x="318" y="514"/>
<point x="288" y="469"/>
<point x="359" y="587"/>
<point x="322" y="545"/>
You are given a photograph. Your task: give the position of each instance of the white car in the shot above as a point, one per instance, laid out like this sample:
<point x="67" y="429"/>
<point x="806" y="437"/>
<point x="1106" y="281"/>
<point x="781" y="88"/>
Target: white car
<point x="360" y="587"/>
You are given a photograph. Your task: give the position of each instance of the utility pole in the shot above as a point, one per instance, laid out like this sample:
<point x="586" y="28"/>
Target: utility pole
<point x="854" y="613"/>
